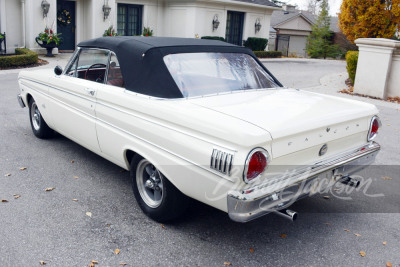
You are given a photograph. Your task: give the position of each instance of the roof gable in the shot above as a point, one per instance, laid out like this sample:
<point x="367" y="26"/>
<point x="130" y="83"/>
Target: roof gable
<point x="298" y="22"/>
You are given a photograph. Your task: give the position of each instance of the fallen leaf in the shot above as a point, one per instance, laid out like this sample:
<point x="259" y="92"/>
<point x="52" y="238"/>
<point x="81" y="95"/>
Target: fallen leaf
<point x="89" y="214"/>
<point x="74" y="199"/>
<point x="384" y="243"/>
<point x="388" y="125"/>
<point x="362" y="253"/>
<point x="162" y="226"/>
<point x="283" y="235"/>
<point x="388" y="264"/>
<point x="22" y="168"/>
<point x="94" y="262"/>
<point x="347" y="230"/>
<point x="42" y="262"/>
<point x="336" y="189"/>
<point x="387" y="178"/>
<point x="108" y="225"/>
<point x="76" y="177"/>
<point x="116" y="251"/>
<point x="227" y="263"/>
<point x="16" y="196"/>
<point x="357" y="234"/>
<point x="4" y="200"/>
<point x="327" y="223"/>
<point x="72" y="161"/>
<point x="327" y="197"/>
<point x="251" y="250"/>
<point x="91" y="265"/>
<point x="49" y="189"/>
<point x="8" y="174"/>
<point x="123" y="264"/>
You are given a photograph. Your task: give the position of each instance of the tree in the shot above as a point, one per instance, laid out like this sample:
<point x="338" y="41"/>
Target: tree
<point x="369" y="18"/>
<point x="319" y="42"/>
<point x="312" y="6"/>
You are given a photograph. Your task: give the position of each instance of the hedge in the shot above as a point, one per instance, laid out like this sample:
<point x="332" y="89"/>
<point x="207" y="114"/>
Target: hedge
<point x="214" y="38"/>
<point x="268" y="54"/>
<point x="256" y="44"/>
<point x="352" y="59"/>
<point x="22" y="57"/>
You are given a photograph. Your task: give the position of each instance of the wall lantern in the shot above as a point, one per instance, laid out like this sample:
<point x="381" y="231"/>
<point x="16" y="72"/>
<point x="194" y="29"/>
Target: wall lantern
<point x="45" y="8"/>
<point x="257" y="25"/>
<point x="106" y="10"/>
<point x="215" y="22"/>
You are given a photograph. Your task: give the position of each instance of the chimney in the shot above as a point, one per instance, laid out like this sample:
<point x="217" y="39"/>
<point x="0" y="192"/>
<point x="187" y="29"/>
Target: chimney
<point x="289" y="8"/>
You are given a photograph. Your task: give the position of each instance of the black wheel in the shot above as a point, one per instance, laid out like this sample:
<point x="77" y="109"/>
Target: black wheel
<point x="39" y="126"/>
<point x="157" y="197"/>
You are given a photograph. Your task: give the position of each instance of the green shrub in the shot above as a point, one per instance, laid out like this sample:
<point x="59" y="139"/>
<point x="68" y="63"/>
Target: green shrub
<point x="268" y="54"/>
<point x="214" y="38"/>
<point x="352" y="59"/>
<point x="256" y="44"/>
<point x="22" y="57"/>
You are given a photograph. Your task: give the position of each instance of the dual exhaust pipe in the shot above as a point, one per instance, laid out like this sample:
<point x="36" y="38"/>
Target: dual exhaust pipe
<point x="292" y="215"/>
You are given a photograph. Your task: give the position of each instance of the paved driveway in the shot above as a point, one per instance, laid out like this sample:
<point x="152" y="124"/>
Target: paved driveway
<point x="50" y="226"/>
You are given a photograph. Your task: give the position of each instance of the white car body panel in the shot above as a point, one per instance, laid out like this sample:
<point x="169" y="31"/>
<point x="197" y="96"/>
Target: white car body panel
<point x="179" y="135"/>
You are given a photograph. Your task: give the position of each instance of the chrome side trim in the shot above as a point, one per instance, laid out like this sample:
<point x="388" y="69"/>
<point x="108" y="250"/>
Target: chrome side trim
<point x="135" y="136"/>
<point x="167" y="127"/>
<point x="221" y="161"/>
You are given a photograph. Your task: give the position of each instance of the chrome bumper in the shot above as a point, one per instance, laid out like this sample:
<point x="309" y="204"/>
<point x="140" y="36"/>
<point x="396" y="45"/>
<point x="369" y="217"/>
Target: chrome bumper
<point x="251" y="203"/>
<point x="20" y="101"/>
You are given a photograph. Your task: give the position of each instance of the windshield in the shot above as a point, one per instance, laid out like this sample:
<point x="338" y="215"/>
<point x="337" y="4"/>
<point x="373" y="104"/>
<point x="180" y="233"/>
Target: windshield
<point x="198" y="74"/>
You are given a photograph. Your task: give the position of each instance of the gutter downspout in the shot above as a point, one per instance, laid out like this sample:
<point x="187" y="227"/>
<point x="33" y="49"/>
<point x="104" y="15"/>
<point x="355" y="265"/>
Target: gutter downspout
<point x="23" y="24"/>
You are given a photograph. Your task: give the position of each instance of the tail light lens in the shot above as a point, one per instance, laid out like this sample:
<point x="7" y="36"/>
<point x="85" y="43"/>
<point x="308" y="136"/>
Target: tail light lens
<point x="256" y="164"/>
<point x="374" y="127"/>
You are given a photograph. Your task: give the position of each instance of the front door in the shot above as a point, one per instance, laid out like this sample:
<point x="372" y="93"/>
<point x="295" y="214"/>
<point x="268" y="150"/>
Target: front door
<point x="66" y="24"/>
<point x="234" y="27"/>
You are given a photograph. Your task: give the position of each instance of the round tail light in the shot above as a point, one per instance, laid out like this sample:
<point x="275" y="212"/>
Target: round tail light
<point x="374" y="128"/>
<point x="256" y="164"/>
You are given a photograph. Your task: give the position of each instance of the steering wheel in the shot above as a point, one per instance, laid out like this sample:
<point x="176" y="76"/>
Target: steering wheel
<point x="93" y="65"/>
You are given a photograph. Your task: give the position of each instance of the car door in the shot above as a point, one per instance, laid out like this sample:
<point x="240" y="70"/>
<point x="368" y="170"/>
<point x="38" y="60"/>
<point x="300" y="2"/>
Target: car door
<point x="74" y="96"/>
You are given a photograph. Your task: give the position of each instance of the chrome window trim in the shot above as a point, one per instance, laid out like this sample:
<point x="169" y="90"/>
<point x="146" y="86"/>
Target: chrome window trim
<point x="246" y="164"/>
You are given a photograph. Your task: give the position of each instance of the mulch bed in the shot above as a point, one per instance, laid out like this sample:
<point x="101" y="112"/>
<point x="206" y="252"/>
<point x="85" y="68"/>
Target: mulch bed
<point x="40" y="62"/>
<point x="350" y="91"/>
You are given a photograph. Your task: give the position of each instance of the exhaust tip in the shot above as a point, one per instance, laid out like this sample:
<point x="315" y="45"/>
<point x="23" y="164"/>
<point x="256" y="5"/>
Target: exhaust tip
<point x="347" y="180"/>
<point x="288" y="214"/>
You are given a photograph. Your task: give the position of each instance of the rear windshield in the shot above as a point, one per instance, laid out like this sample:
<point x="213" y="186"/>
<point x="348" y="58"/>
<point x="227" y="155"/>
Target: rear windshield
<point x="198" y="74"/>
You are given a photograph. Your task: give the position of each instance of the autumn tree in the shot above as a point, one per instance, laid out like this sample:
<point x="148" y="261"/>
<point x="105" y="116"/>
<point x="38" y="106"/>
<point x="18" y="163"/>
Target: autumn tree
<point x="369" y="18"/>
<point x="319" y="42"/>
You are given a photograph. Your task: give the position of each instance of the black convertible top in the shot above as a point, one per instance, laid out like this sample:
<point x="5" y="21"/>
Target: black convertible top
<point x="142" y="64"/>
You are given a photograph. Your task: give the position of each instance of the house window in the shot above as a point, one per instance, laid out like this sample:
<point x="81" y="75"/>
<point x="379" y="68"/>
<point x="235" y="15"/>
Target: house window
<point x="234" y="27"/>
<point x="129" y="19"/>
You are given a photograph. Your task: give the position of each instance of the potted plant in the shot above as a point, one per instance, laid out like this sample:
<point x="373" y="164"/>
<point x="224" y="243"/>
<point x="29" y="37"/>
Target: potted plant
<point x="49" y="40"/>
<point x="147" y="31"/>
<point x="110" y="32"/>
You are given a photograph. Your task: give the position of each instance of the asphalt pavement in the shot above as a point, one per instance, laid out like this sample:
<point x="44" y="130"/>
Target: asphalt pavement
<point x="91" y="211"/>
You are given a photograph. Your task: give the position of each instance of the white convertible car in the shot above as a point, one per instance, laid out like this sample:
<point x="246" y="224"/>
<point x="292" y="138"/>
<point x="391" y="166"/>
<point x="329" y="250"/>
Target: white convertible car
<point x="201" y="119"/>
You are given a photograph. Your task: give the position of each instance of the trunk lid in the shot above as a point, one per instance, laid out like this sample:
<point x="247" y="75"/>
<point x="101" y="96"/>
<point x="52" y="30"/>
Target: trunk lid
<point x="295" y="119"/>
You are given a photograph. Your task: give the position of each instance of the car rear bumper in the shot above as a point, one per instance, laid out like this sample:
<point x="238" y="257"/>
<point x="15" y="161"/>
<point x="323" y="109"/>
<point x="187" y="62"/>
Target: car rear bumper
<point x="249" y="204"/>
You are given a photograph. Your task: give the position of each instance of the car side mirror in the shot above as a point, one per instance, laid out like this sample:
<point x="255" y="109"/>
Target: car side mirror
<point x="58" y="70"/>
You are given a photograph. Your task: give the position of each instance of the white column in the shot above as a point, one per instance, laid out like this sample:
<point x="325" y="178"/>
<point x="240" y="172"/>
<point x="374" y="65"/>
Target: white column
<point x="374" y="66"/>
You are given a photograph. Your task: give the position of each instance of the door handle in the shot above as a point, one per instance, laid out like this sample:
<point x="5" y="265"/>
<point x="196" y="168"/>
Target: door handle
<point x="90" y="91"/>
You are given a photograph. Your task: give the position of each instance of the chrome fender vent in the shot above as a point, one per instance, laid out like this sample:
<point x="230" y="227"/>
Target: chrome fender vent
<point x="221" y="161"/>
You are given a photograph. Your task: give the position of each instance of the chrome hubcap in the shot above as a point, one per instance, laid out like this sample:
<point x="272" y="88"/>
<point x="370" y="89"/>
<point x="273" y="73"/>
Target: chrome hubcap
<point x="149" y="182"/>
<point x="35" y="115"/>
